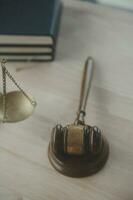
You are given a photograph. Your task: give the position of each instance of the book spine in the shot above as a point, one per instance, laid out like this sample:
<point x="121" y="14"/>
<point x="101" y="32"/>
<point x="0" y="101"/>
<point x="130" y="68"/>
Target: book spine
<point x="31" y="60"/>
<point x="27" y="45"/>
<point x="56" y="28"/>
<point x="27" y="57"/>
<point x="24" y="54"/>
<point x="55" y="18"/>
<point x="55" y="15"/>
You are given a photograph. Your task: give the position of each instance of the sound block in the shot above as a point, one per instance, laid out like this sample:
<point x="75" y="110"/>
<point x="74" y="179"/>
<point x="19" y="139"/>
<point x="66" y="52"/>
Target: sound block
<point x="79" y="166"/>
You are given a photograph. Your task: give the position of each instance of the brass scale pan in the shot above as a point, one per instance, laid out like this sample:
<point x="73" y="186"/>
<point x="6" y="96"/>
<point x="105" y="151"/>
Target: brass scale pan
<point x="15" y="105"/>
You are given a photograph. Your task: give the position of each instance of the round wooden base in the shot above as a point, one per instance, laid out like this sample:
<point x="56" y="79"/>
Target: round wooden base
<point x="79" y="166"/>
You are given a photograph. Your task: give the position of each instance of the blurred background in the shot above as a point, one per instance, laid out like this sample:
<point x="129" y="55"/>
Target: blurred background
<point x="123" y="4"/>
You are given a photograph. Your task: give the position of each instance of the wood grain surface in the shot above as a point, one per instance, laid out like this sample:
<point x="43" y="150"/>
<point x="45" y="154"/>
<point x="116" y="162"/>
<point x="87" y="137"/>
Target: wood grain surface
<point x="106" y="34"/>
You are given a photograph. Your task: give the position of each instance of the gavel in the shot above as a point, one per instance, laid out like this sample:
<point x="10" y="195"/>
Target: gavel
<point x="79" y="149"/>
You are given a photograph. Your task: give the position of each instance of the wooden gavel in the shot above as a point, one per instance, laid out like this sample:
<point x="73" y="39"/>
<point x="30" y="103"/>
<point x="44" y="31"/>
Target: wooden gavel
<point x="79" y="143"/>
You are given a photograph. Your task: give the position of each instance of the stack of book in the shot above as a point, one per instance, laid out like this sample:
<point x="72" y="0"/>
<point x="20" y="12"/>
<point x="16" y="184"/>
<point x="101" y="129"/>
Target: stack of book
<point x="29" y="29"/>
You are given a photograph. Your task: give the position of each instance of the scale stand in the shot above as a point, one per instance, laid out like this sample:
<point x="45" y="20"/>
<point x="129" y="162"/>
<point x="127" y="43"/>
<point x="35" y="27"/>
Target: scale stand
<point x="15" y="105"/>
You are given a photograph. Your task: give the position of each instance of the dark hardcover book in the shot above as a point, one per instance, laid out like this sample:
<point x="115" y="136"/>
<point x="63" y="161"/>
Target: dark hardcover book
<point x="29" y="24"/>
<point x="25" y="58"/>
<point x="24" y="49"/>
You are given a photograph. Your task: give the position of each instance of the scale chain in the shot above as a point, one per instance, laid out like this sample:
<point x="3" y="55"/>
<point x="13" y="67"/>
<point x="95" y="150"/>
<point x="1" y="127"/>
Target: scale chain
<point x="4" y="95"/>
<point x="6" y="72"/>
<point x="10" y="76"/>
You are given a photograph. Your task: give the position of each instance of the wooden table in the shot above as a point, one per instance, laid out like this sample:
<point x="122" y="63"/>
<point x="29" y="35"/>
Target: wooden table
<point x="107" y="35"/>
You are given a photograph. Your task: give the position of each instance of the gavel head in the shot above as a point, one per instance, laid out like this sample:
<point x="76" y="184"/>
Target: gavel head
<point x="76" y="140"/>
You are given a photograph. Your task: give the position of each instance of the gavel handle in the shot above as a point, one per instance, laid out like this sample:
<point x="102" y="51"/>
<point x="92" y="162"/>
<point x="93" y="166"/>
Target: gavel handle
<point x="85" y="89"/>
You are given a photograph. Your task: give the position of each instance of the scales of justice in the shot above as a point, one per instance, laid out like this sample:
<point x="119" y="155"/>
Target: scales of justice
<point x="15" y="105"/>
